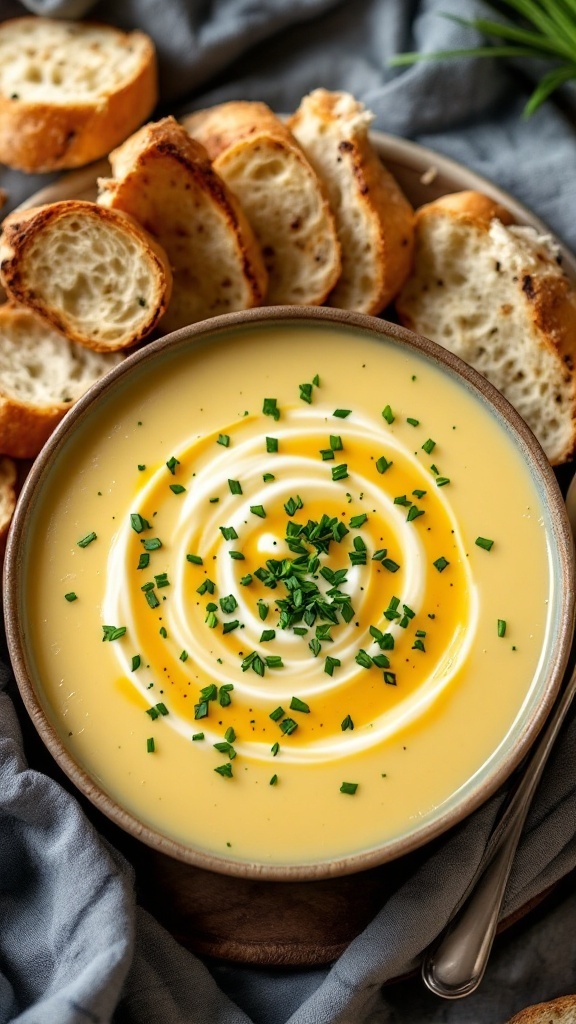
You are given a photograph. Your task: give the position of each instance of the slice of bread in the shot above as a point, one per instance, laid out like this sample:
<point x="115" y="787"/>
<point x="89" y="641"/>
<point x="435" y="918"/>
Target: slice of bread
<point x="280" y="194"/>
<point x="374" y="219"/>
<point x="164" y="179"/>
<point x="70" y="91"/>
<point x="93" y="274"/>
<point x="495" y="294"/>
<point x="556" y="1011"/>
<point x="8" y="489"/>
<point x="42" y="374"/>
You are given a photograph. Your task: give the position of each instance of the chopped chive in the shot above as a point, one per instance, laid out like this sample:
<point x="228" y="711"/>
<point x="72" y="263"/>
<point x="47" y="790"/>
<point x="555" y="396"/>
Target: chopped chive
<point x="418" y="494"/>
<point x="194" y="559"/>
<point x="213" y="500"/>
<point x="211" y="607"/>
<point x="347" y="723"/>
<point x="153" y="713"/>
<point x="420" y="632"/>
<point x="207" y="586"/>
<point x="71" y="596"/>
<point x="201" y="709"/>
<point x="330" y="664"/>
<point x="293" y="504"/>
<point x="211" y="620"/>
<point x="363" y="659"/>
<point x="85" y="541"/>
<point x="274" y="749"/>
<point x="277" y="714"/>
<point x="161" y="708"/>
<point x="235" y="486"/>
<point x="315" y="647"/>
<point x="267" y="477"/>
<point x="349" y="787"/>
<point x="228" y="604"/>
<point x="246" y="580"/>
<point x="113" y="632"/>
<point x="413" y="513"/>
<point x="141" y="466"/>
<point x="412" y="422"/>
<point x="382" y="464"/>
<point x="441" y="563"/>
<point x="484" y="542"/>
<point x="381" y="661"/>
<point x="228" y="532"/>
<point x="138" y="523"/>
<point x="300" y="630"/>
<point x="150" y="745"/>
<point x="316" y="380"/>
<point x="288" y="726"/>
<point x="225" y="770"/>
<point x="152" y="599"/>
<point x="327" y="454"/>
<point x="434" y="469"/>
<point x="401" y="499"/>
<point x="224" y="698"/>
<point x="143" y="561"/>
<point x="418" y="645"/>
<point x="342" y="413"/>
<point x="358" y="521"/>
<point x="229" y="627"/>
<point x="274" y="661"/>
<point x="154" y="544"/>
<point x="136" y="662"/>
<point x="299" y="705"/>
<point x="273" y="780"/>
<point x="390" y="678"/>
<point x="501" y="627"/>
<point x="209" y="692"/>
<point x="380" y="555"/>
<point x="184" y="656"/>
<point x="429" y="446"/>
<point x="340" y="472"/>
<point x="262" y="609"/>
<point x="197" y="736"/>
<point x="171" y="464"/>
<point x="336" y="443"/>
<point x="258" y="510"/>
<point x="237" y="555"/>
<point x="441" y="481"/>
<point x="271" y="444"/>
<point x="306" y="393"/>
<point x="270" y="408"/>
<point x="224" y="440"/>
<point x="267" y="634"/>
<point x="177" y="488"/>
<point x="390" y="564"/>
<point x="162" y="580"/>
<point x="388" y="414"/>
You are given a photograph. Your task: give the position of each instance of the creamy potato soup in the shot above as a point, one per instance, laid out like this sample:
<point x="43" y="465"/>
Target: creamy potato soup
<point x="288" y="592"/>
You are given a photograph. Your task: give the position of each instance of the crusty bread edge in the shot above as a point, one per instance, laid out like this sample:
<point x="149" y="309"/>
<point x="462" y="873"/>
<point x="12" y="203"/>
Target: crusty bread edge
<point x="541" y="1013"/>
<point x="553" y="301"/>
<point x="21" y="227"/>
<point x="42" y="137"/>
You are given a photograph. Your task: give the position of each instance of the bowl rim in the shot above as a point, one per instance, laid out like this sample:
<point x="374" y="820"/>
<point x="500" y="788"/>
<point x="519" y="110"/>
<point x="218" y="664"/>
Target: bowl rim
<point x="541" y="470"/>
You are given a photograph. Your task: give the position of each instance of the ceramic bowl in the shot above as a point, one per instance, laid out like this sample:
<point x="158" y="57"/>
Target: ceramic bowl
<point x="30" y="528"/>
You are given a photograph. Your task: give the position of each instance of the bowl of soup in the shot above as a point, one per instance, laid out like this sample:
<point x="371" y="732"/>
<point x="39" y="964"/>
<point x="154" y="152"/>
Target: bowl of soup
<point x="288" y="593"/>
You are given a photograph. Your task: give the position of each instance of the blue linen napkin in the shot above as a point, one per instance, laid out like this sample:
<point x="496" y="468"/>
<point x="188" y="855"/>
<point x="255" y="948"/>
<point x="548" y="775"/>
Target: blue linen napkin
<point x="74" y="947"/>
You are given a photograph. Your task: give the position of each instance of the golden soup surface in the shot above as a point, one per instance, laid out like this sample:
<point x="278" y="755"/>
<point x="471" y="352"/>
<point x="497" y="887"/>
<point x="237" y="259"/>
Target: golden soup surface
<point x="289" y="593"/>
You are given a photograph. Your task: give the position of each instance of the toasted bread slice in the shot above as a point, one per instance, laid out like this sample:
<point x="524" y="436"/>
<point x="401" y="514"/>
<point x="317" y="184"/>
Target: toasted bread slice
<point x="42" y="374"/>
<point x="374" y="219"/>
<point x="280" y="194"/>
<point x="556" y="1011"/>
<point x="93" y="274"/>
<point x="495" y="294"/>
<point x="164" y="179"/>
<point x="70" y="91"/>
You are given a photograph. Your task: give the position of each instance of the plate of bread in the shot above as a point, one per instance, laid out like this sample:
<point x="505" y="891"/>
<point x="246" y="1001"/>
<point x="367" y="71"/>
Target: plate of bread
<point x="233" y="207"/>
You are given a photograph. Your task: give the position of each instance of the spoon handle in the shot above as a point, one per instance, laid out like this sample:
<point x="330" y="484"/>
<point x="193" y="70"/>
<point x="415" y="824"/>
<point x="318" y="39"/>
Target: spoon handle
<point x="454" y="965"/>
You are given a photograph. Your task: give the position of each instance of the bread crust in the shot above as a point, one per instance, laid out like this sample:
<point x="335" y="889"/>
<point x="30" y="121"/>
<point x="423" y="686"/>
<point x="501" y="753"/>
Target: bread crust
<point x="42" y="137"/>
<point x="554" y="1011"/>
<point x="549" y="297"/>
<point x="228" y="129"/>
<point x="169" y="141"/>
<point x="8" y="495"/>
<point x="387" y="216"/>
<point x="21" y="228"/>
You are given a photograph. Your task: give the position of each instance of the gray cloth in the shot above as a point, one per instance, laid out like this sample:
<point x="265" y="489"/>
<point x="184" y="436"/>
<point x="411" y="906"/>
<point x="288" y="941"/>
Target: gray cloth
<point x="74" y="948"/>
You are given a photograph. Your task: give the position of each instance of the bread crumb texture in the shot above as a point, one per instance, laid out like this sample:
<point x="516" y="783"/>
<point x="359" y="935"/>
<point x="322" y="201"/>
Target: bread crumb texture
<point x="556" y="1011"/>
<point x="496" y="296"/>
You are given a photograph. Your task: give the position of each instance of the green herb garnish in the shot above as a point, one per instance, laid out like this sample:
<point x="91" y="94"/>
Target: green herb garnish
<point x="113" y="632"/>
<point x="172" y="463"/>
<point x="235" y="487"/>
<point x="71" y="596"/>
<point x="299" y="705"/>
<point x="85" y="541"/>
<point x="429" y="446"/>
<point x="441" y="563"/>
<point x="270" y="408"/>
<point x="501" y="627"/>
<point x="271" y="444"/>
<point x="349" y="787"/>
<point x="484" y="542"/>
<point x="224" y="440"/>
<point x="342" y="413"/>
<point x="388" y="414"/>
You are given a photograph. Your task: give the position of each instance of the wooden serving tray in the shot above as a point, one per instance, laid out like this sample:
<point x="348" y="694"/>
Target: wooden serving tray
<point x="300" y="924"/>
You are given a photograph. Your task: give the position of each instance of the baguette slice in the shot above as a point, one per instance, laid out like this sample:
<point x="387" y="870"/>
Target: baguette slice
<point x="495" y="294"/>
<point x="374" y="219"/>
<point x="93" y="274"/>
<point x="164" y="179"/>
<point x="42" y="374"/>
<point x="70" y="91"/>
<point x="8" y="489"/>
<point x="281" y="195"/>
<point x="556" y="1011"/>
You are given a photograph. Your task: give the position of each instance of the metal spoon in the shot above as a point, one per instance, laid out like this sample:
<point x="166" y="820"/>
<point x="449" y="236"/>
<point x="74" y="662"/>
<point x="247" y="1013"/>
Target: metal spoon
<point x="455" y="964"/>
